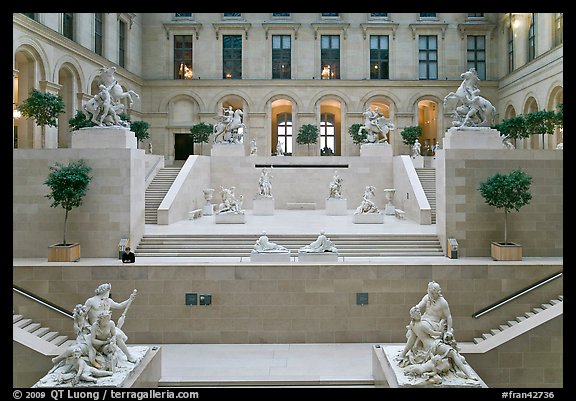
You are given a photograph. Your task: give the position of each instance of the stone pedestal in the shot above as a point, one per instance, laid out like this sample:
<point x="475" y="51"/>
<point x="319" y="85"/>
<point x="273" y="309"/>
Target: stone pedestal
<point x="390" y="209"/>
<point x="418" y="161"/>
<point x="208" y="209"/>
<point x="271" y="257"/>
<point x="376" y="150"/>
<point x="368" y="218"/>
<point x="336" y="207"/>
<point x="387" y="373"/>
<point x="263" y="206"/>
<point x="103" y="138"/>
<point x="227" y="149"/>
<point x="326" y="257"/>
<point x="473" y="138"/>
<point x="230" y="218"/>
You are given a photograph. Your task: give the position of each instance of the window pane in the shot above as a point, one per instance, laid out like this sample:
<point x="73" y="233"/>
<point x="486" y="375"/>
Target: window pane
<point x="276" y="44"/>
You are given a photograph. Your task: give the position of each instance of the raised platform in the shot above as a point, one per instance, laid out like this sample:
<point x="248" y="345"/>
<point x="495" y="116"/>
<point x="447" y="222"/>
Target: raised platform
<point x="270" y="257"/>
<point x="263" y="206"/>
<point x="229" y="218"/>
<point x="368" y="218"/>
<point x="103" y="138"/>
<point x="473" y="138"/>
<point x="336" y="207"/>
<point x="324" y="257"/>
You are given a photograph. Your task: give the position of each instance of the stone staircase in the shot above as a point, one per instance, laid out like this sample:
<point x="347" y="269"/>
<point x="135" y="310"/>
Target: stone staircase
<point x="427" y="178"/>
<point x="156" y="191"/>
<point x="240" y="245"/>
<point x="516" y="327"/>
<point x="44" y="333"/>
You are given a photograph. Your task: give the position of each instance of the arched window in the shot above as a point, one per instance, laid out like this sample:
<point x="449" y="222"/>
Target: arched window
<point x="284" y="131"/>
<point x="327" y="133"/>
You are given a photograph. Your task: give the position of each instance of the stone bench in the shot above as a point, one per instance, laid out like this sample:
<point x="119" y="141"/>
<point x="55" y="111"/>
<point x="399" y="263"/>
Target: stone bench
<point x="399" y="213"/>
<point x="301" y="205"/>
<point x="194" y="214"/>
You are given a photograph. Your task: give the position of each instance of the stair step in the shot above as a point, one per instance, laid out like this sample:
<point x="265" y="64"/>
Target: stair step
<point x="32" y="327"/>
<point x="23" y="323"/>
<point x="16" y="318"/>
<point x="546" y="306"/>
<point x="521" y="318"/>
<point x="561" y="297"/>
<point x="512" y="322"/>
<point x="529" y="314"/>
<point x="50" y="335"/>
<point x="41" y="331"/>
<point x="486" y="335"/>
<point x="478" y="340"/>
<point x="537" y="310"/>
<point x="59" y="340"/>
<point x="555" y="301"/>
<point x="504" y="327"/>
<point x="495" y="331"/>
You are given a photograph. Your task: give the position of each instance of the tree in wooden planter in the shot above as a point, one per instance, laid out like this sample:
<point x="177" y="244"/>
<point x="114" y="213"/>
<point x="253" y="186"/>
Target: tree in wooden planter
<point x="509" y="192"/>
<point x="307" y="134"/>
<point x="201" y="133"/>
<point x="68" y="186"/>
<point x="44" y="108"/>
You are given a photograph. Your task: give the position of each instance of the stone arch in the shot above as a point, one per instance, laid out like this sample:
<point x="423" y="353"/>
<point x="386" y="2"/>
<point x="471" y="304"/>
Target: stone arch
<point x="275" y="104"/>
<point x="69" y="78"/>
<point x="331" y="103"/>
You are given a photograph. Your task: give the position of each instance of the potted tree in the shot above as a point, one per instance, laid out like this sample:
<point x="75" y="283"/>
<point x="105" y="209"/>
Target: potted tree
<point x="201" y="133"/>
<point x="513" y="128"/>
<point x="508" y="192"/>
<point x="307" y="134"/>
<point x="541" y="122"/>
<point x="68" y="185"/>
<point x="358" y="136"/>
<point x="411" y="134"/>
<point x="80" y="121"/>
<point x="44" y="108"/>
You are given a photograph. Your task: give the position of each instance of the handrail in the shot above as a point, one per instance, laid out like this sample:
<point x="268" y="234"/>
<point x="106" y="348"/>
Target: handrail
<point x="42" y="301"/>
<point x="516" y="295"/>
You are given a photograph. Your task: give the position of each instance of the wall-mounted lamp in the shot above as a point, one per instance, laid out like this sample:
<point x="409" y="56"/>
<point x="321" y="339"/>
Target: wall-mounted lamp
<point x="16" y="114"/>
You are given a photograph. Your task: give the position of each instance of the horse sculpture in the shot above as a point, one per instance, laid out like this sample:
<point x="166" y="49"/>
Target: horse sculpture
<point x="470" y="109"/>
<point x="374" y="126"/>
<point x="230" y="130"/>
<point x="116" y="91"/>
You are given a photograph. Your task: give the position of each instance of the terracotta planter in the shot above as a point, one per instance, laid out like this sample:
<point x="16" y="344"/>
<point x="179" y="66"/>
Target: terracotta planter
<point x="64" y="253"/>
<point x="508" y="251"/>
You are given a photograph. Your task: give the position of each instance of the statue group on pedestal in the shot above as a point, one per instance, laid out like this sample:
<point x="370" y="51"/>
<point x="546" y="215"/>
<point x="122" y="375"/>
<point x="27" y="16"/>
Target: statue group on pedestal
<point x="105" y="107"/>
<point x="100" y="344"/>
<point x="319" y="245"/>
<point x="228" y="125"/>
<point x="230" y="202"/>
<point x="265" y="184"/>
<point x="368" y="205"/>
<point x="375" y="125"/>
<point x="335" y="187"/>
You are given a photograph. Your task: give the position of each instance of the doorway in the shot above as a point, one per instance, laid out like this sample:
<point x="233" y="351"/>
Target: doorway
<point x="183" y="146"/>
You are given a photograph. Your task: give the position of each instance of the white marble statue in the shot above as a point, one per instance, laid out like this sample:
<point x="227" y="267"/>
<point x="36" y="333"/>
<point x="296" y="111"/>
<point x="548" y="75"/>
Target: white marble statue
<point x="321" y="244"/>
<point x="469" y="108"/>
<point x="230" y="202"/>
<point x="367" y="205"/>
<point x="416" y="148"/>
<point x="279" y="148"/>
<point x="265" y="183"/>
<point x="507" y="143"/>
<point x="104" y="108"/>
<point x="229" y="126"/>
<point x="431" y="352"/>
<point x="375" y="125"/>
<point x="263" y="245"/>
<point x="336" y="187"/>
<point x="253" y="148"/>
<point x="99" y="342"/>
<point x="560" y="146"/>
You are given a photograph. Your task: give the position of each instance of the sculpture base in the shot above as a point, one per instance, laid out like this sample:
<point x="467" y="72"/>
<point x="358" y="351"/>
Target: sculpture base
<point x="376" y="150"/>
<point x="389" y="209"/>
<point x="418" y="161"/>
<point x="144" y="373"/>
<point x="387" y="373"/>
<point x="103" y="138"/>
<point x="473" y="138"/>
<point x="227" y="149"/>
<point x="230" y="218"/>
<point x="368" y="218"/>
<point x="271" y="257"/>
<point x="336" y="207"/>
<point x="263" y="206"/>
<point x="317" y="256"/>
<point x="208" y="210"/>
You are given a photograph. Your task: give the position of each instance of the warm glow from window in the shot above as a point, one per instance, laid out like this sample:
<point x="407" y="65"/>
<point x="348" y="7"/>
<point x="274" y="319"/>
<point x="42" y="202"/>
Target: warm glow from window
<point x="228" y="75"/>
<point x="185" y="71"/>
<point x="326" y="72"/>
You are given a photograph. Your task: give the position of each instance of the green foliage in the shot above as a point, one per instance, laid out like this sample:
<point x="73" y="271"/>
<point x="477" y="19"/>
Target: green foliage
<point x="560" y="115"/>
<point x="513" y="127"/>
<point x="307" y="134"/>
<point x="358" y="136"/>
<point x="508" y="192"/>
<point x="80" y="121"/>
<point x="42" y="107"/>
<point x="410" y="134"/>
<point x="201" y="132"/>
<point x="68" y="185"/>
<point x="140" y="129"/>
<point x="541" y="122"/>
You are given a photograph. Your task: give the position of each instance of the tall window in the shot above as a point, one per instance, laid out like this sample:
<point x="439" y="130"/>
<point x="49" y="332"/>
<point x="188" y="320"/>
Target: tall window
<point x="428" y="57"/>
<point x="68" y="25"/>
<point x="182" y="56"/>
<point x="476" y="54"/>
<point x="232" y="56"/>
<point x="510" y="47"/>
<point x="379" y="57"/>
<point x="122" y="44"/>
<point x="532" y="38"/>
<point x="284" y="131"/>
<point x="98" y="32"/>
<point x="558" y="29"/>
<point x="330" y="57"/>
<point x="327" y="132"/>
<point x="281" y="56"/>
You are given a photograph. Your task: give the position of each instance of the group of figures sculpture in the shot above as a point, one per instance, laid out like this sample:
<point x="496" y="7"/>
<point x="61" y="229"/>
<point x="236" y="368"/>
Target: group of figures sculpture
<point x="431" y="353"/>
<point x="320" y="245"/>
<point x="469" y="108"/>
<point x="231" y="203"/>
<point x="229" y="127"/>
<point x="376" y="126"/>
<point x="105" y="107"/>
<point x="368" y="205"/>
<point x="336" y="187"/>
<point x="100" y="345"/>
